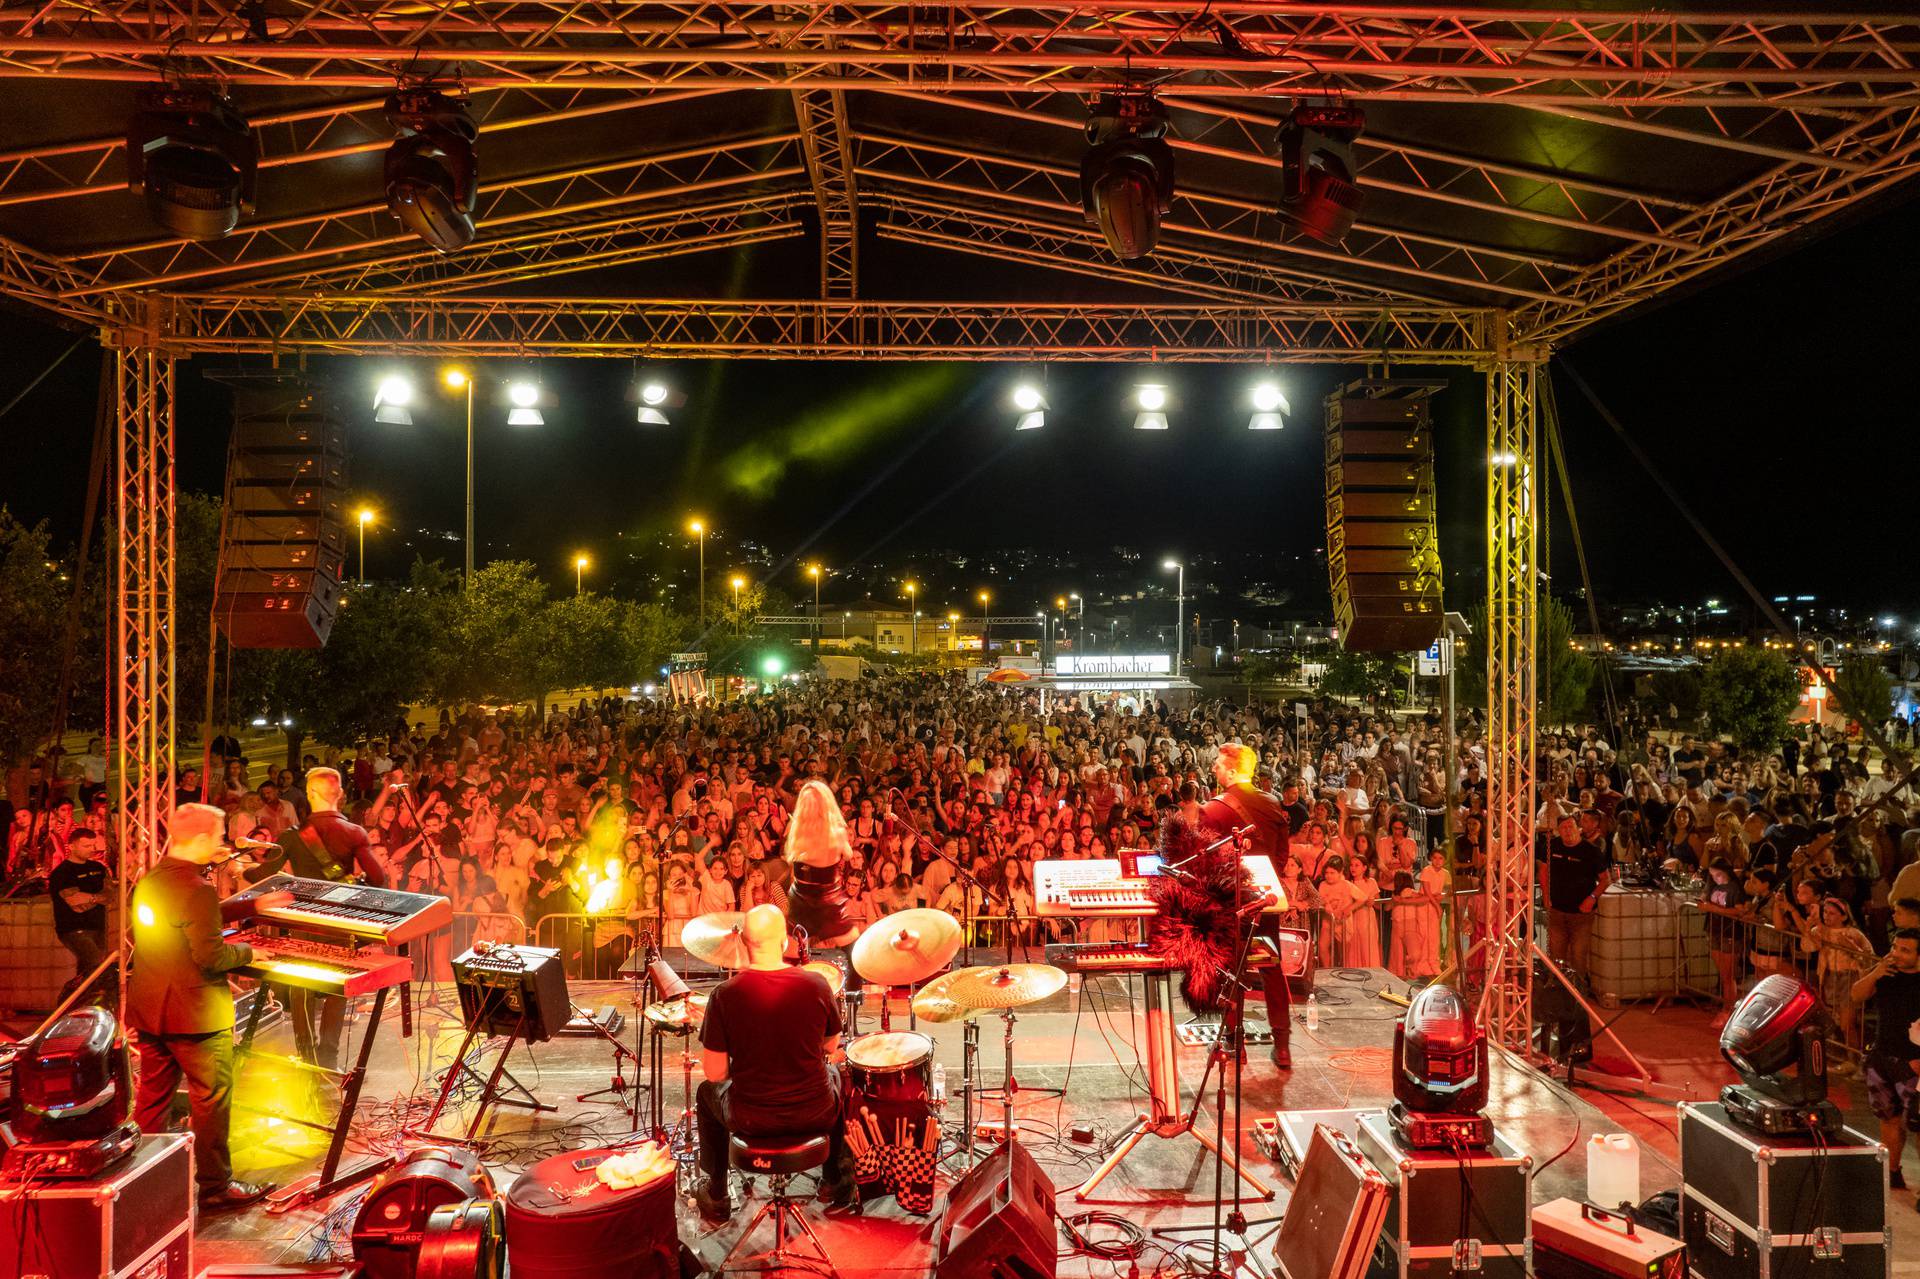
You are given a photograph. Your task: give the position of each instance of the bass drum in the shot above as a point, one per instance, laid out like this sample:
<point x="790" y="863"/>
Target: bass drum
<point x="896" y="1066"/>
<point x="392" y="1221"/>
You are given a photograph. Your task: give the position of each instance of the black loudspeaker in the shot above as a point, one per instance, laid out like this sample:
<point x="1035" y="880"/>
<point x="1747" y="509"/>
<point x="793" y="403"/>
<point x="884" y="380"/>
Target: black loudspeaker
<point x="999" y="1221"/>
<point x="1383" y="553"/>
<point x="507" y="987"/>
<point x="283" y="553"/>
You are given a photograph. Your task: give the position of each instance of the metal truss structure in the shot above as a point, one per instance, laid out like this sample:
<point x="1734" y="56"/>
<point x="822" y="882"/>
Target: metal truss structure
<point x="1529" y="172"/>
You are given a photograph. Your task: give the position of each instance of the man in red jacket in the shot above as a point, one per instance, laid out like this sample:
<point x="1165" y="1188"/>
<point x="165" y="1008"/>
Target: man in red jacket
<point x="1240" y="804"/>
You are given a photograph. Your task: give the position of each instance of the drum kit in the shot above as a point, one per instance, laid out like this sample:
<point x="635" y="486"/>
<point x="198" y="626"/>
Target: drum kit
<point x="904" y="949"/>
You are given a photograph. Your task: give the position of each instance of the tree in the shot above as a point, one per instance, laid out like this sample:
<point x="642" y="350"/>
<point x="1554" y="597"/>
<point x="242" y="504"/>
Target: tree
<point x="1565" y="673"/>
<point x="1750" y="694"/>
<point x="1348" y="675"/>
<point x="1865" y="689"/>
<point x="1679" y="689"/>
<point x="33" y="619"/>
<point x="492" y="636"/>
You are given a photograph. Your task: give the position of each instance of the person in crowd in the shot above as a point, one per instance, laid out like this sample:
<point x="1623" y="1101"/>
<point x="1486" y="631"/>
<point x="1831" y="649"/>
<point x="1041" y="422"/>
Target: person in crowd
<point x="1891" y="990"/>
<point x="78" y="886"/>
<point x="1575" y="873"/>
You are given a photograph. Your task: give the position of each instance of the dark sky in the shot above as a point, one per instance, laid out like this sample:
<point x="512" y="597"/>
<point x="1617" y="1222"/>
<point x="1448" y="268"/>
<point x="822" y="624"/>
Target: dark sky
<point x="1778" y="401"/>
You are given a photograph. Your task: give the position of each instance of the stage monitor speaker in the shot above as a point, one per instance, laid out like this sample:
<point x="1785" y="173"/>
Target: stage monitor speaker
<point x="283" y="548"/>
<point x="503" y="987"/>
<point x="999" y="1221"/>
<point x="1383" y="557"/>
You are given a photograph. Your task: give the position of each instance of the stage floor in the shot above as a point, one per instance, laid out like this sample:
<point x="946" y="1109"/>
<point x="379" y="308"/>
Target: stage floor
<point x="1081" y="1041"/>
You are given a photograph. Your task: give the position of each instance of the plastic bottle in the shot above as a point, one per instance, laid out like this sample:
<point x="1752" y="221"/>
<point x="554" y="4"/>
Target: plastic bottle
<point x="1613" y="1170"/>
<point x="939" y="1081"/>
<point x="1313" y="1013"/>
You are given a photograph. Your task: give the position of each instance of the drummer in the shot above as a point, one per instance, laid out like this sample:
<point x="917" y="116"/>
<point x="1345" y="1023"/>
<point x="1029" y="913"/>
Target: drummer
<point x="768" y="1032"/>
<point x="816" y="849"/>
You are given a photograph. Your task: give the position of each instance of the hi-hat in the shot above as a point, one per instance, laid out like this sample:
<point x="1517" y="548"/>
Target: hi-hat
<point x="718" y="938"/>
<point x="1005" y="985"/>
<point x="934" y="1001"/>
<point x="906" y="947"/>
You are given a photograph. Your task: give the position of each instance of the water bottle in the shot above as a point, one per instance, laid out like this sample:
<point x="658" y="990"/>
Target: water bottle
<point x="1313" y="1013"/>
<point x="939" y="1082"/>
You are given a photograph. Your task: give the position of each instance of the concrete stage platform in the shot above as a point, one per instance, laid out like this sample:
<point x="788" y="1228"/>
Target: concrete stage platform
<point x="1084" y="1042"/>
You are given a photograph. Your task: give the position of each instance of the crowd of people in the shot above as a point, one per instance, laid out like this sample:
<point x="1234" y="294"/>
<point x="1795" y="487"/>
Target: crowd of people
<point x="615" y="821"/>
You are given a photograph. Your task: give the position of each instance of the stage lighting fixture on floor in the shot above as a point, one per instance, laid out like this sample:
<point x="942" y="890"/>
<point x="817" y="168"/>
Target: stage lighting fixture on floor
<point x="1779" y="1027"/>
<point x="433" y="175"/>
<point x="1126" y="178"/>
<point x="194" y="158"/>
<point x="1150" y="398"/>
<point x="391" y="400"/>
<point x="656" y="399"/>
<point x="1032" y="405"/>
<point x="1269" y="406"/>
<point x="524" y="399"/>
<point x="1320" y="192"/>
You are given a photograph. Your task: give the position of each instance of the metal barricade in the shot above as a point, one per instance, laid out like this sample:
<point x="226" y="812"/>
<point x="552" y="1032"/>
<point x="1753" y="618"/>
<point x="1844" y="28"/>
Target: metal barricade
<point x="593" y="946"/>
<point x="1746" y="948"/>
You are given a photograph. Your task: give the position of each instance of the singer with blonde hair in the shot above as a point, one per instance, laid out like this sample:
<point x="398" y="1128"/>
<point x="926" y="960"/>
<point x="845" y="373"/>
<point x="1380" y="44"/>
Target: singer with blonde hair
<point x="816" y="849"/>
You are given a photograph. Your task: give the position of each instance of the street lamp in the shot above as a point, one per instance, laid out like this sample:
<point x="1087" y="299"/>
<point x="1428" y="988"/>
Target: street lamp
<point x="1079" y="618"/>
<point x="985" y="625"/>
<point x="698" y="528"/>
<point x="1180" y="614"/>
<point x="737" y="582"/>
<point x="913" y="607"/>
<point x="522" y="395"/>
<point x="813" y="571"/>
<point x="580" y="563"/>
<point x="363" y="517"/>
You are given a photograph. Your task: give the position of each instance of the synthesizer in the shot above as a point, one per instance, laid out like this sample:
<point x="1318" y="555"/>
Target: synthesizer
<point x="355" y="912"/>
<point x="1132" y="957"/>
<point x="321" y="966"/>
<point x="1096" y="887"/>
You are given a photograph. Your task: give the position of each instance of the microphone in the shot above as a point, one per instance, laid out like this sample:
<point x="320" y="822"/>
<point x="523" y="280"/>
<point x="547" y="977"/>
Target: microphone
<point x="1268" y="898"/>
<point x="255" y="845"/>
<point x="804" y="948"/>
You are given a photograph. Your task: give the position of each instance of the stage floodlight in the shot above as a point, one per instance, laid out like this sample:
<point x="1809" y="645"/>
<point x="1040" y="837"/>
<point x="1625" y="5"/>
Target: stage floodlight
<point x="1151" y="399"/>
<point x="1126" y="177"/>
<point x="1269" y="407"/>
<point x="1032" y="405"/>
<point x="194" y="158"/>
<point x="1320" y="191"/>
<point x="432" y="169"/>
<point x="656" y="398"/>
<point x="524" y="396"/>
<point x="653" y="394"/>
<point x="390" y="401"/>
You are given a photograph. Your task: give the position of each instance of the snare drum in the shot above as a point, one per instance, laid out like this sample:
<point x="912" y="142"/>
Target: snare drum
<point x="897" y="1066"/>
<point x="827" y="968"/>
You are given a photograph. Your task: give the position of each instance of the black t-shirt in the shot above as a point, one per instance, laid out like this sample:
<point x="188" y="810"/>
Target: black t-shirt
<point x="1573" y="872"/>
<point x="88" y="877"/>
<point x="773" y="1026"/>
<point x="1896" y="1006"/>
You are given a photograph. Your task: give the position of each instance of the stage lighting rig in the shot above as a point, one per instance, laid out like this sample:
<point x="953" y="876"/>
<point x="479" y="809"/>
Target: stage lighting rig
<point x="1779" y="1027"/>
<point x="656" y="397"/>
<point x="194" y="158"/>
<point x="1320" y="192"/>
<point x="1032" y="404"/>
<point x="1269" y="407"/>
<point x="1440" y="1074"/>
<point x="432" y="171"/>
<point x="1126" y="177"/>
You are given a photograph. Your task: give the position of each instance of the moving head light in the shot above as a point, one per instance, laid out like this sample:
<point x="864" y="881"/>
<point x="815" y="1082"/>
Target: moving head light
<point x="1320" y="192"/>
<point x="432" y="171"/>
<point x="1779" y="1027"/>
<point x="194" y="158"/>
<point x="1440" y="1073"/>
<point x="1126" y="177"/>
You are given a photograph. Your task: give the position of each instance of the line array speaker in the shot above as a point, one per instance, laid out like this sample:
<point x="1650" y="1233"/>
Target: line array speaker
<point x="284" y="551"/>
<point x="1383" y="553"/>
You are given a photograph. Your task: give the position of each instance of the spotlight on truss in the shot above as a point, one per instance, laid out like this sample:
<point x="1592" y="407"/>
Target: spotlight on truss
<point x="1269" y="407"/>
<point x="391" y="399"/>
<point x="194" y="158"/>
<point x="1032" y="405"/>
<point x="1150" y="398"/>
<point x="432" y="171"/>
<point x="1320" y="192"/>
<point x="524" y="398"/>
<point x="1126" y="177"/>
<point x="656" y="397"/>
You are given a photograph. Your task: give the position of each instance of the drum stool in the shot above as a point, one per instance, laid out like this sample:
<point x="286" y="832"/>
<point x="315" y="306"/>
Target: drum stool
<point x="779" y="1159"/>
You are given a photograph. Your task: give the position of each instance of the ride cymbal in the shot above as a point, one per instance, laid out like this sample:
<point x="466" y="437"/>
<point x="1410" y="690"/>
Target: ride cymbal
<point x="906" y="947"/>
<point x="934" y="1001"/>
<point x="717" y="938"/>
<point x="1005" y="985"/>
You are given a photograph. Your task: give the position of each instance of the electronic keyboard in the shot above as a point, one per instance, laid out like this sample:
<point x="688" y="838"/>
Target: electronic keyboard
<point x="1132" y="957"/>
<point x="321" y="966"/>
<point x="1101" y="886"/>
<point x="350" y="911"/>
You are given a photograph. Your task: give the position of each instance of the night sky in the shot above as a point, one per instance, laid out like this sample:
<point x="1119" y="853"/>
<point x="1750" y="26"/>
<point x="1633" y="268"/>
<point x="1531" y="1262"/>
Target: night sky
<point x="1779" y="401"/>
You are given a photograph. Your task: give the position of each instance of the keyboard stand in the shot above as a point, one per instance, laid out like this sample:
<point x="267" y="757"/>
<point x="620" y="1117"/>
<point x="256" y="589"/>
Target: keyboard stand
<point x="1163" y="1087"/>
<point x="491" y="1093"/>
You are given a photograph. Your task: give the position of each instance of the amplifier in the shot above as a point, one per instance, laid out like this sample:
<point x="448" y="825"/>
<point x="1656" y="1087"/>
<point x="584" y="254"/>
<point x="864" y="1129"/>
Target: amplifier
<point x="507" y="987"/>
<point x="134" y="1222"/>
<point x="1579" y="1241"/>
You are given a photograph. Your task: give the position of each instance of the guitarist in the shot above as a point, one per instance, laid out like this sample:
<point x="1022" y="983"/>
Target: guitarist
<point x="1239" y="803"/>
<point x="326" y="846"/>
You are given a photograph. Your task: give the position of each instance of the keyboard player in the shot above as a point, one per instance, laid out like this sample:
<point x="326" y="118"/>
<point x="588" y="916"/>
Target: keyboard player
<point x="325" y="846"/>
<point x="178" y="1002"/>
<point x="1240" y="805"/>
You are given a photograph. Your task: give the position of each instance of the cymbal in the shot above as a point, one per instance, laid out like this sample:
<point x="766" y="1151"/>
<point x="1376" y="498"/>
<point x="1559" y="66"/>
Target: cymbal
<point x="906" y="947"/>
<point x="1005" y="985"/>
<point x="716" y="938"/>
<point x="934" y="1002"/>
<point x="678" y="1016"/>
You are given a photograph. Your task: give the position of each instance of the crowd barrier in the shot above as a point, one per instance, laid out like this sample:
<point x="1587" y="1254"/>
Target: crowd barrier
<point x="1745" y="949"/>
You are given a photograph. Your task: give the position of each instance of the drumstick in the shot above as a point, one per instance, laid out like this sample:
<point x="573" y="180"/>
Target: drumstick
<point x="873" y="1123"/>
<point x="856" y="1140"/>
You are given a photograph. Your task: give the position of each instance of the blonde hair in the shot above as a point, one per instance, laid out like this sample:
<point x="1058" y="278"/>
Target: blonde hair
<point x="1239" y="761"/>
<point x="322" y="777"/>
<point x="817" y="834"/>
